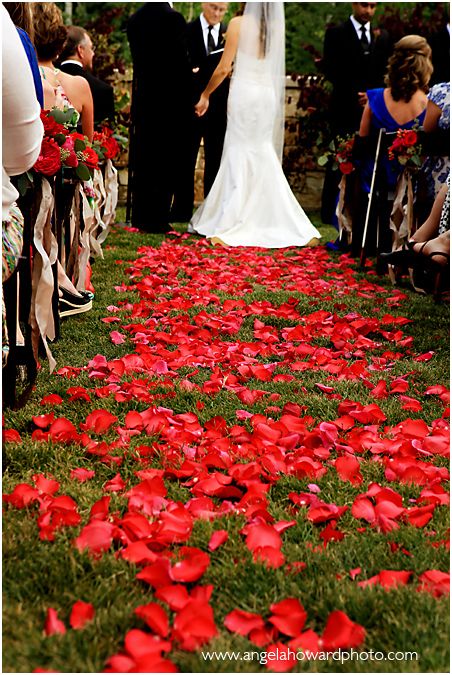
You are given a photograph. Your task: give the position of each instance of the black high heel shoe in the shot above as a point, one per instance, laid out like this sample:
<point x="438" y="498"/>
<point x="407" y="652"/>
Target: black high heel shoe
<point x="404" y="257"/>
<point x="429" y="275"/>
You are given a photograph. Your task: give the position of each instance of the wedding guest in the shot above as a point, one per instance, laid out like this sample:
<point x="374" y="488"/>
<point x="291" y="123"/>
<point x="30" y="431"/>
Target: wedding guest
<point x="60" y="89"/>
<point x="22" y="17"/>
<point x="77" y="59"/>
<point x="22" y="133"/>
<point x="401" y="104"/>
<point x="205" y="47"/>
<point x="354" y="60"/>
<point x="159" y="157"/>
<point x="436" y="166"/>
<point x="22" y="129"/>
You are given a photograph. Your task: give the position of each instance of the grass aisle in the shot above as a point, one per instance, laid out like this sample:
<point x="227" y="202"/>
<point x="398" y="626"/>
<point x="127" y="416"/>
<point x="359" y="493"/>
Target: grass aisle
<point x="238" y="428"/>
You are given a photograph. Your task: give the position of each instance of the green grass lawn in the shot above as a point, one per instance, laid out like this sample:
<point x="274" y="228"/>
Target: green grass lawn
<point x="175" y="300"/>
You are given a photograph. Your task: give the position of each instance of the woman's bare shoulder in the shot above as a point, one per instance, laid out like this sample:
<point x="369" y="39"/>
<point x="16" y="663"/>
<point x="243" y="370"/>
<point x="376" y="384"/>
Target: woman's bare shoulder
<point x="74" y="80"/>
<point x="234" y="24"/>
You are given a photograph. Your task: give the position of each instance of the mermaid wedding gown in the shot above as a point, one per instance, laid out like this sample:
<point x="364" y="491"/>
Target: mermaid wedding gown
<point x="250" y="202"/>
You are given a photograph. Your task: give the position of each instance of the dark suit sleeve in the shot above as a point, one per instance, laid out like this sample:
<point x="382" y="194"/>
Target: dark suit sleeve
<point x="111" y="104"/>
<point x="331" y="55"/>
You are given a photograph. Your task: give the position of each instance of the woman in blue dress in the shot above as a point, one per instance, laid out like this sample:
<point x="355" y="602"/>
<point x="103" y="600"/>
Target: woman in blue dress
<point x="400" y="105"/>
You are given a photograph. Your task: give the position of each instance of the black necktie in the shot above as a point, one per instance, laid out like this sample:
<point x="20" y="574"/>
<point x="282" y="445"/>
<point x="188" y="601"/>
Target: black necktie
<point x="364" y="40"/>
<point x="210" y="41"/>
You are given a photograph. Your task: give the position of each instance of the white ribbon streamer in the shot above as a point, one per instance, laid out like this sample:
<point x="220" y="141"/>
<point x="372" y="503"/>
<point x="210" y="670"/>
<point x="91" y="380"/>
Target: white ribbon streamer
<point x="41" y="313"/>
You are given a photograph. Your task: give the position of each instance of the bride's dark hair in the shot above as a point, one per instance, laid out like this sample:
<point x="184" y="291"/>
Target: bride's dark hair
<point x="263" y="26"/>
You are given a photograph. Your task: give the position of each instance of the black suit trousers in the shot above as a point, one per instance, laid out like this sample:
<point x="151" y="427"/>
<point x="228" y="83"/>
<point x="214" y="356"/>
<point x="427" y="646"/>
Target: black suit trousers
<point x="211" y="128"/>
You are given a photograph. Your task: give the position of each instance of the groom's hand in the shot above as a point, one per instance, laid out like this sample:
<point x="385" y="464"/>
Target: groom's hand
<point x="202" y="106"/>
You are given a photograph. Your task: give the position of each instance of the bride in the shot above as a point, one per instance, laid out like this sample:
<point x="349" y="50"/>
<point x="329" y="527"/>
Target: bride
<point x="250" y="202"/>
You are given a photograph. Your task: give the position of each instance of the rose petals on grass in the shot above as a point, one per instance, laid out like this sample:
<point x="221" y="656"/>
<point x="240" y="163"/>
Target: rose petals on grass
<point x="319" y="400"/>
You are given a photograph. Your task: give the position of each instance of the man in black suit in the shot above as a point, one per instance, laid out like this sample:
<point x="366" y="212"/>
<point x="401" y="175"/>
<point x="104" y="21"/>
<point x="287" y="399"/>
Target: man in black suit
<point x="354" y="60"/>
<point x="205" y="41"/>
<point x="440" y="44"/>
<point x="159" y="158"/>
<point x="77" y="59"/>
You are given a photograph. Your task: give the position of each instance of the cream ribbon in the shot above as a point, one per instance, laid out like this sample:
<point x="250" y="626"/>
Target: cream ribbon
<point x="41" y="313"/>
<point x="343" y="213"/>
<point x="99" y="203"/>
<point x="88" y="223"/>
<point x="401" y="221"/>
<point x="111" y="201"/>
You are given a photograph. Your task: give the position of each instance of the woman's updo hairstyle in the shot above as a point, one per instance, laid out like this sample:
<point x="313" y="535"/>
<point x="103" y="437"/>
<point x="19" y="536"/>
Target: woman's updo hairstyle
<point x="50" y="31"/>
<point x="409" y="68"/>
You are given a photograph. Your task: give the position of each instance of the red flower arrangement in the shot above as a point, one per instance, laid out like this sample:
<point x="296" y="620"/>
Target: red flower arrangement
<point x="344" y="154"/>
<point x="340" y="151"/>
<point x="49" y="160"/>
<point x="406" y="148"/>
<point x="105" y="144"/>
<point x="62" y="148"/>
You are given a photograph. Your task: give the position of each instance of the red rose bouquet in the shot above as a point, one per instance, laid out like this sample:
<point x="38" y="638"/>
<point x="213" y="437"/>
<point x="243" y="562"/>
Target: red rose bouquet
<point x="63" y="147"/>
<point x="107" y="144"/>
<point x="49" y="160"/>
<point x="406" y="148"/>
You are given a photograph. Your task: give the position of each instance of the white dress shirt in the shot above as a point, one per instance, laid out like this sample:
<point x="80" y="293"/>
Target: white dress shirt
<point x="205" y="30"/>
<point x="358" y="27"/>
<point x="73" y="61"/>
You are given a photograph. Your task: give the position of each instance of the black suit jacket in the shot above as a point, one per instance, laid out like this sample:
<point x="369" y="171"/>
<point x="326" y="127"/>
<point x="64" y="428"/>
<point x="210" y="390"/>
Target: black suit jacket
<point x="103" y="95"/>
<point x="440" y="44"/>
<point x="204" y="64"/>
<point x="157" y="38"/>
<point x="350" y="71"/>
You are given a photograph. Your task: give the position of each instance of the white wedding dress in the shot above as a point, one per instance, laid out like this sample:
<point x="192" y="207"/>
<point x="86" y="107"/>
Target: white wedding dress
<point x="250" y="202"/>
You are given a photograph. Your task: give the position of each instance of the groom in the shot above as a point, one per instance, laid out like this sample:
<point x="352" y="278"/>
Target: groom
<point x="205" y="42"/>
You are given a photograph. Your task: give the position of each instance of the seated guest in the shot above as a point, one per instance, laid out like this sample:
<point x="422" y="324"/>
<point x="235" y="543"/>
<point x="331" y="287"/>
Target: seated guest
<point x="22" y="133"/>
<point x="22" y="130"/>
<point x="436" y="167"/>
<point x="77" y="59"/>
<point x="401" y="104"/>
<point x="60" y="89"/>
<point x="22" y="17"/>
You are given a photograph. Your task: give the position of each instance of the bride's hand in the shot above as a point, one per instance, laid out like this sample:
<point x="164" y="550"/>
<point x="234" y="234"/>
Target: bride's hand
<point x="202" y="106"/>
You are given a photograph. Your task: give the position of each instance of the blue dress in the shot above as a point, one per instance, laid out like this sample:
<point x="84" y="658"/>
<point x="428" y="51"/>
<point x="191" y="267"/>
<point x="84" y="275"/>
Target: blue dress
<point x="33" y="61"/>
<point x="382" y="119"/>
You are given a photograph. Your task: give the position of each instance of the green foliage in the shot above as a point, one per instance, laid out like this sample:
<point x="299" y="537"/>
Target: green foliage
<point x="305" y="26"/>
<point x="82" y="172"/>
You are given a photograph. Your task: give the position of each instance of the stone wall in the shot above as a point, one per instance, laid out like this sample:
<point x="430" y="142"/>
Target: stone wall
<point x="307" y="186"/>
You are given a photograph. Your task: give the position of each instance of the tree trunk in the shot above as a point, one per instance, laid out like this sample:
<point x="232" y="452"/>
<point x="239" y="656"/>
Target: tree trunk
<point x="68" y="12"/>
